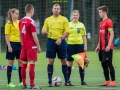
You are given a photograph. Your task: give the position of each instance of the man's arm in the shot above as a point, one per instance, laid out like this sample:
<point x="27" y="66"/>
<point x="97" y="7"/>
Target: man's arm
<point x="45" y="28"/>
<point x="58" y="42"/>
<point x="65" y="35"/>
<point x="66" y="32"/>
<point x="111" y="38"/>
<point x="110" y="41"/>
<point x="44" y="32"/>
<point x="36" y="41"/>
<point x="67" y="29"/>
<point x="110" y="30"/>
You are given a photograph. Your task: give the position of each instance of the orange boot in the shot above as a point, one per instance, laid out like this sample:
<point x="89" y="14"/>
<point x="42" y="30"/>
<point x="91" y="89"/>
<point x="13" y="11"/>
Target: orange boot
<point x="112" y="84"/>
<point x="106" y="83"/>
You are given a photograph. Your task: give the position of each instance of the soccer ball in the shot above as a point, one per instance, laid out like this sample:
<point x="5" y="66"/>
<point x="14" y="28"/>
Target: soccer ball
<point x="56" y="81"/>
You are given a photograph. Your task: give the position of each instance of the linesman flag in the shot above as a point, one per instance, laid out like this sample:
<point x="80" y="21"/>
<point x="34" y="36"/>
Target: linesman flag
<point x="79" y="58"/>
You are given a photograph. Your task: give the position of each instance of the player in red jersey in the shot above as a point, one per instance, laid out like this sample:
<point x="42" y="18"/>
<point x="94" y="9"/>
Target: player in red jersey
<point x="30" y="45"/>
<point x="105" y="46"/>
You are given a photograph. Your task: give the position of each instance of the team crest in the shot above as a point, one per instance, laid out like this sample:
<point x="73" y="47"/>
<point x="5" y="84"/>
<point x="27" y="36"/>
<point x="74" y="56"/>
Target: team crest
<point x="78" y="30"/>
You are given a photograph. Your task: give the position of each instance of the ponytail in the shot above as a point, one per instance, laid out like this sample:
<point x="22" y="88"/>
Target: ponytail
<point x="10" y="17"/>
<point x="10" y="12"/>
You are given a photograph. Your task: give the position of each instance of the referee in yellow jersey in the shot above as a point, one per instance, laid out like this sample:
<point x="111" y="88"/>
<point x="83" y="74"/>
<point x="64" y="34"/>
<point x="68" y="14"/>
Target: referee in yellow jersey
<point x="13" y="44"/>
<point x="76" y="42"/>
<point x="57" y="29"/>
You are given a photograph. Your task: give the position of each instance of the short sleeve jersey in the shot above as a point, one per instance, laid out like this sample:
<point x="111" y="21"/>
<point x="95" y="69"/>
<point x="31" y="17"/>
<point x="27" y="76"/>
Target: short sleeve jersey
<point x="56" y="26"/>
<point x="77" y="31"/>
<point x="104" y="33"/>
<point x="27" y="27"/>
<point x="12" y="31"/>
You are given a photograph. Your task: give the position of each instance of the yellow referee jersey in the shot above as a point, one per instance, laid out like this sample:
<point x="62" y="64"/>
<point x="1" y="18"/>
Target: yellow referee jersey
<point x="77" y="31"/>
<point x="12" y="31"/>
<point x="56" y="26"/>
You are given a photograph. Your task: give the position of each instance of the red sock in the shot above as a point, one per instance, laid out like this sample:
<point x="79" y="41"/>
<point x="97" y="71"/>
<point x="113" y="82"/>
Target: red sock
<point x="23" y="74"/>
<point x="32" y="74"/>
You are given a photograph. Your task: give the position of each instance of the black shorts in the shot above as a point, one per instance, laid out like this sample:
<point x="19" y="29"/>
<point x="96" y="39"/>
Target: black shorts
<point x="74" y="49"/>
<point x="16" y="46"/>
<point x="52" y="48"/>
<point x="105" y="56"/>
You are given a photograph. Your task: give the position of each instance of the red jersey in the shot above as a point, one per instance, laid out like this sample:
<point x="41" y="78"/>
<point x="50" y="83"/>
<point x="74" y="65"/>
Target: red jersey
<point x="27" y="26"/>
<point x="104" y="33"/>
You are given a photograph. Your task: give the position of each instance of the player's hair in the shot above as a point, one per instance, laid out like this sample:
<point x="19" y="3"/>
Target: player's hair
<point x="11" y="11"/>
<point x="103" y="8"/>
<point x="75" y="11"/>
<point x="56" y="5"/>
<point x="28" y="7"/>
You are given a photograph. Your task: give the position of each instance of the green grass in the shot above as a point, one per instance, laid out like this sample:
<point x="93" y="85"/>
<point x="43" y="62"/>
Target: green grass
<point x="93" y="75"/>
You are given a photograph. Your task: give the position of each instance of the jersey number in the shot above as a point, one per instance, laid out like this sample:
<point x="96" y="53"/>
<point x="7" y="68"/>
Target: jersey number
<point x="24" y="30"/>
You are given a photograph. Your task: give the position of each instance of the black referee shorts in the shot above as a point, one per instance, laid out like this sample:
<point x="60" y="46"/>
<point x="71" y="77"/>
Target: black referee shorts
<point x="105" y="56"/>
<point x="16" y="46"/>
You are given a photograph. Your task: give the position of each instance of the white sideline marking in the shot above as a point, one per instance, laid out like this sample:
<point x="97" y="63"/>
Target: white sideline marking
<point x="101" y="88"/>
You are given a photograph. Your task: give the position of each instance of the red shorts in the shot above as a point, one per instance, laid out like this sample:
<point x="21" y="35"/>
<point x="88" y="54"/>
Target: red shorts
<point x="28" y="55"/>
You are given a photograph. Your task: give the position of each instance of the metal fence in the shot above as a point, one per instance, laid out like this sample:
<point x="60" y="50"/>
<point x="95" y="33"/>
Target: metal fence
<point x="88" y="15"/>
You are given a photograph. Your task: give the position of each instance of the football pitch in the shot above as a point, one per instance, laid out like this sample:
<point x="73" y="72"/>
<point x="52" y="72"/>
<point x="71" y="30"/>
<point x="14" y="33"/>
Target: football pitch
<point x="93" y="74"/>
